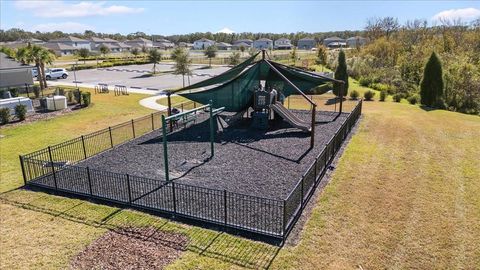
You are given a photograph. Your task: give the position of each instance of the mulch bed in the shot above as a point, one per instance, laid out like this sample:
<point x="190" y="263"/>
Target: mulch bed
<point x="247" y="161"/>
<point x="38" y="116"/>
<point x="131" y="248"/>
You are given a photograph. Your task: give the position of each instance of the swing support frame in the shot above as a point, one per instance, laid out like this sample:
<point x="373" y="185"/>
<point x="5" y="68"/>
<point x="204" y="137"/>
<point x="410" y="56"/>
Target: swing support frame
<point x="186" y="114"/>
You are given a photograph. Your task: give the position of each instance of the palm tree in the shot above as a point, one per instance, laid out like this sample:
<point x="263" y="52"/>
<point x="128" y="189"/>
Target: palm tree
<point x="154" y="56"/>
<point x="33" y="57"/>
<point x="182" y="63"/>
<point x="45" y="57"/>
<point x="21" y="55"/>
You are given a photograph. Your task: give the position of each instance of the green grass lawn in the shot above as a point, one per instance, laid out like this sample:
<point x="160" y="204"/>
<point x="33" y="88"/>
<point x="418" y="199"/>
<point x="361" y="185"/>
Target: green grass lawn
<point x="404" y="195"/>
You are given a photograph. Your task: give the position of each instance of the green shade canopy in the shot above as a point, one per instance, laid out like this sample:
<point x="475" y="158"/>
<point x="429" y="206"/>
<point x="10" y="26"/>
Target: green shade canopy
<point x="234" y="88"/>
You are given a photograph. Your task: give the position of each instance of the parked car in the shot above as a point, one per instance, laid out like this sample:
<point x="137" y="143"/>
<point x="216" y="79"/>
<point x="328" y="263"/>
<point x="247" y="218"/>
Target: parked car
<point x="56" y="73"/>
<point x="34" y="72"/>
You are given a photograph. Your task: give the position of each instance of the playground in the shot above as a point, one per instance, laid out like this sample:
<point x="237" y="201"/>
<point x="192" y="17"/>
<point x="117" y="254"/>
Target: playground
<point x="242" y="160"/>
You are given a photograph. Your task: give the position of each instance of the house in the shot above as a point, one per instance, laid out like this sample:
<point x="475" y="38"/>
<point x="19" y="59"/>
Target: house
<point x="163" y="44"/>
<point x="356" y="41"/>
<point x="72" y="41"/>
<point x="282" y="44"/>
<point x="336" y="42"/>
<point x="306" y="43"/>
<point x="223" y="46"/>
<point x="185" y="45"/>
<point x="203" y="43"/>
<point x="139" y="43"/>
<point x="263" y="43"/>
<point x="249" y="43"/>
<point x="238" y="46"/>
<point x="111" y="44"/>
<point x="60" y="49"/>
<point x="13" y="73"/>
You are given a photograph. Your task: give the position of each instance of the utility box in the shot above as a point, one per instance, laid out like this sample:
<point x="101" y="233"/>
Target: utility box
<point x="56" y="103"/>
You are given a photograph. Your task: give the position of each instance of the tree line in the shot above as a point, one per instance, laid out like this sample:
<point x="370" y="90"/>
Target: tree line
<point x="14" y="34"/>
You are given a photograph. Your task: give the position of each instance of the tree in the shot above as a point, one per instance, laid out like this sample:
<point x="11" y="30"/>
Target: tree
<point x="234" y="59"/>
<point x="21" y="55"/>
<point x="341" y="74"/>
<point x="135" y="52"/>
<point x="45" y="57"/>
<point x="242" y="49"/>
<point x="83" y="53"/>
<point x="104" y="50"/>
<point x="210" y="53"/>
<point x="293" y="55"/>
<point x="321" y="56"/>
<point x="182" y="63"/>
<point x="154" y="56"/>
<point x="431" y="87"/>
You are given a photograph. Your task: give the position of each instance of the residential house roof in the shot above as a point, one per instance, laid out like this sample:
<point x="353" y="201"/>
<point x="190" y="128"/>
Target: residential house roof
<point x="204" y="40"/>
<point x="69" y="39"/>
<point x="283" y="39"/>
<point x="243" y="41"/>
<point x="56" y="46"/>
<point x="356" y="38"/>
<point x="241" y="44"/>
<point x="263" y="39"/>
<point x="307" y="39"/>
<point x="9" y="63"/>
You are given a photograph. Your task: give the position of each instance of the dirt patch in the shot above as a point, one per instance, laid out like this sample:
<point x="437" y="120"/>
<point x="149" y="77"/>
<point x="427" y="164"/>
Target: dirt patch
<point x="131" y="248"/>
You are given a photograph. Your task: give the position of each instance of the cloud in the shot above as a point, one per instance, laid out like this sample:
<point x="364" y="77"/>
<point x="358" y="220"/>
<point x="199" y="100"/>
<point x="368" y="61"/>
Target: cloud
<point x="61" y="9"/>
<point x="67" y="27"/>
<point x="226" y="31"/>
<point x="455" y="14"/>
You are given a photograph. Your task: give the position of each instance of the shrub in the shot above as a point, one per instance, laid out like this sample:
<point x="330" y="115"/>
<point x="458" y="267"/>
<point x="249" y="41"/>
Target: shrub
<point x="78" y="96"/>
<point x="36" y="91"/>
<point x="4" y="115"/>
<point x="413" y="99"/>
<point x="383" y="95"/>
<point x="14" y="92"/>
<point x="354" y="94"/>
<point x="365" y="81"/>
<point x="21" y="112"/>
<point x="86" y="98"/>
<point x="397" y="97"/>
<point x="70" y="96"/>
<point x="368" y="95"/>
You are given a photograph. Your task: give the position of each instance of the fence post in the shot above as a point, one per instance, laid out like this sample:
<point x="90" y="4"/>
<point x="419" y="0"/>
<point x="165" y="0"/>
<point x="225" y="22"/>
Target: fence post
<point x="225" y="204"/>
<point x="128" y="189"/>
<point x="23" y="170"/>
<point x="315" y="170"/>
<point x="133" y="128"/>
<point x="301" y="199"/>
<point x="153" y="125"/>
<point x="83" y="145"/>
<point x="89" y="181"/>
<point x="111" y="138"/>
<point x="174" y="198"/>
<point x="53" y="167"/>
<point x="284" y="221"/>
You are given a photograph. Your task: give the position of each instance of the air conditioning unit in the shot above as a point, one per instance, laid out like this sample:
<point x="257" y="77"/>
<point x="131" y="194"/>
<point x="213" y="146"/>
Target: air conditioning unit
<point x="56" y="103"/>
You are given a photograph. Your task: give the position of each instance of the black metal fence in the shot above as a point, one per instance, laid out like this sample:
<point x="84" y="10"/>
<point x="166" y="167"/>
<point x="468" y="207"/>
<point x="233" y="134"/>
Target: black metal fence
<point x="54" y="168"/>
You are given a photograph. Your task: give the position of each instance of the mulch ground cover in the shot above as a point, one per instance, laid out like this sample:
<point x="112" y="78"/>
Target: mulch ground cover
<point x="131" y="248"/>
<point x="247" y="161"/>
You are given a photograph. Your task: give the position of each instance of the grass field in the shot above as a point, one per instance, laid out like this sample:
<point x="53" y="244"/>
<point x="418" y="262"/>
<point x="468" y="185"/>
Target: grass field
<point x="404" y="195"/>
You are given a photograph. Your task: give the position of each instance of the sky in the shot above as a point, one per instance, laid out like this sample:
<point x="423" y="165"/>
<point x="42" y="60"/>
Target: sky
<point x="182" y="17"/>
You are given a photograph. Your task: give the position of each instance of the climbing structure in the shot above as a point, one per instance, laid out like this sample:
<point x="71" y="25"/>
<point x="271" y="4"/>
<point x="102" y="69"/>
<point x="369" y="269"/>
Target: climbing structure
<point x="234" y="89"/>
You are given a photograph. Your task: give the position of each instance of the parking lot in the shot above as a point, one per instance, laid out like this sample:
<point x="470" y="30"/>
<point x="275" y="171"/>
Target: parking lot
<point x="137" y="76"/>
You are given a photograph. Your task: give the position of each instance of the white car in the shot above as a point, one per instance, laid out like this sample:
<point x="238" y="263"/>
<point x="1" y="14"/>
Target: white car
<point x="56" y="73"/>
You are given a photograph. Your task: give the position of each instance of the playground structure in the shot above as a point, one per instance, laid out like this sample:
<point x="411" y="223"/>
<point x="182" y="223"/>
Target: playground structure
<point x="236" y="89"/>
<point x="243" y="179"/>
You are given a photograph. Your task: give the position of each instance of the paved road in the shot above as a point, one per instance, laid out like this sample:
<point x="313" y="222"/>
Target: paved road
<point x="133" y="76"/>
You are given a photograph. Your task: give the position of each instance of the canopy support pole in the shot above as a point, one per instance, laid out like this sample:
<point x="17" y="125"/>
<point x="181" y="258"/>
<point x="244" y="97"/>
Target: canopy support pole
<point x="169" y="110"/>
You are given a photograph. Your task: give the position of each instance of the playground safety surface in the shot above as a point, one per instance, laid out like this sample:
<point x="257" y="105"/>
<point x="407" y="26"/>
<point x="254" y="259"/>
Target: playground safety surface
<point x="259" y="163"/>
